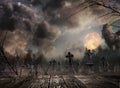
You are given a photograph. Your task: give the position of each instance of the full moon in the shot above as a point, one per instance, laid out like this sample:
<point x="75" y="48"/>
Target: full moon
<point x="92" y="40"/>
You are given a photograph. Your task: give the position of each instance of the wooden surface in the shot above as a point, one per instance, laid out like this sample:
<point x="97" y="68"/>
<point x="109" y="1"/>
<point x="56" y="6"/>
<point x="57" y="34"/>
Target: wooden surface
<point x="59" y="81"/>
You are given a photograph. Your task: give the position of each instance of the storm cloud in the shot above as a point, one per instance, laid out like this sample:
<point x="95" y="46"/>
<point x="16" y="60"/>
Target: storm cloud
<point x="46" y="25"/>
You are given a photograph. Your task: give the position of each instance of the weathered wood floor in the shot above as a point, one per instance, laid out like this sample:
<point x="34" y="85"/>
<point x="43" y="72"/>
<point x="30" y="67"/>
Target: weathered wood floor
<point x="61" y="81"/>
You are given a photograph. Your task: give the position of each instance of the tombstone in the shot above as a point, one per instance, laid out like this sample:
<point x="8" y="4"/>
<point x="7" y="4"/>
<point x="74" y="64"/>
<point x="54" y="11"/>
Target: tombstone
<point x="54" y="62"/>
<point x="103" y="61"/>
<point x="89" y="53"/>
<point x="59" y="66"/>
<point x="76" y="66"/>
<point x="70" y="57"/>
<point x="105" y="64"/>
<point x="52" y="66"/>
<point x="36" y="70"/>
<point x="89" y="62"/>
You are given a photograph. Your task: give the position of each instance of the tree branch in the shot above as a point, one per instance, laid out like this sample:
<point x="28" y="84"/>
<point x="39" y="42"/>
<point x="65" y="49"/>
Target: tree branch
<point x="75" y="13"/>
<point x="108" y="7"/>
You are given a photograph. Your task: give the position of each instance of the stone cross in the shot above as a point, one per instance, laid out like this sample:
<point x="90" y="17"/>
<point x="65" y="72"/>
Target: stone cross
<point x="70" y="57"/>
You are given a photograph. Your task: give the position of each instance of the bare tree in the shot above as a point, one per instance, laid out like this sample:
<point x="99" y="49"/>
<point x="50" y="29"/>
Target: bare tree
<point x="115" y="11"/>
<point x="2" y="52"/>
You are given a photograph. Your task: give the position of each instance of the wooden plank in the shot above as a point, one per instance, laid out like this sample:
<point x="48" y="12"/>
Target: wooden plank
<point x="72" y="82"/>
<point x="45" y="81"/>
<point x="69" y="83"/>
<point x="78" y="82"/>
<point x="56" y="82"/>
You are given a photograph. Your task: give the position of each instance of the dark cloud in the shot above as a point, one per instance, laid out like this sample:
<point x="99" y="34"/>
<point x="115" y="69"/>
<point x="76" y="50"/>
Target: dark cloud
<point x="53" y="4"/>
<point x="16" y="13"/>
<point x="45" y="35"/>
<point x="7" y="24"/>
<point x="36" y="2"/>
<point x="43" y="20"/>
<point x="20" y="16"/>
<point x="6" y="21"/>
<point x="43" y="31"/>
